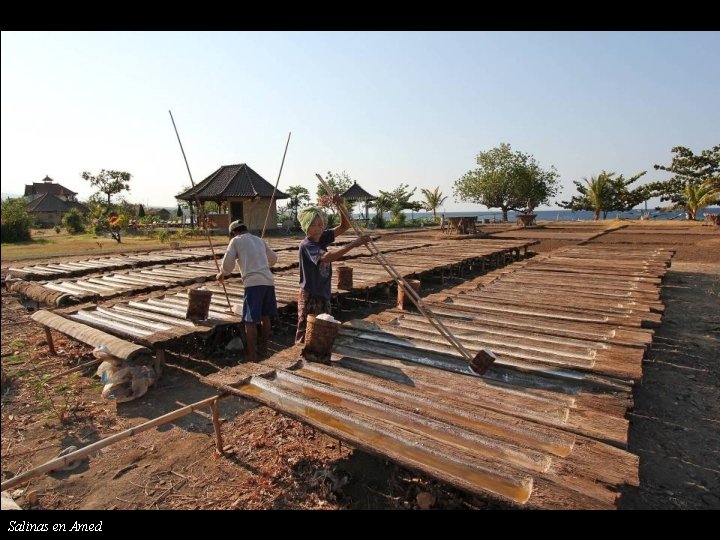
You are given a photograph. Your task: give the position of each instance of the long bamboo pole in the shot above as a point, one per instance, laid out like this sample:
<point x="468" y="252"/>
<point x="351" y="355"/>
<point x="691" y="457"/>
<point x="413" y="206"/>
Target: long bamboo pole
<point x="200" y="209"/>
<point x="276" y="186"/>
<point x="409" y="291"/>
<point x="63" y="461"/>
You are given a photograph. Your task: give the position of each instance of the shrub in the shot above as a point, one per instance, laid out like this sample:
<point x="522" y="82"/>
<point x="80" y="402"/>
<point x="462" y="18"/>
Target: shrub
<point x="15" y="221"/>
<point x="379" y="221"/>
<point x="73" y="221"/>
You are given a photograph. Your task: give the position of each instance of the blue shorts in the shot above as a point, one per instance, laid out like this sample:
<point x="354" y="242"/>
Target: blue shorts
<point x="259" y="302"/>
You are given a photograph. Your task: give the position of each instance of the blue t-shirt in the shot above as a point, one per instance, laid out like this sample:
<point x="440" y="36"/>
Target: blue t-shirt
<point x="316" y="276"/>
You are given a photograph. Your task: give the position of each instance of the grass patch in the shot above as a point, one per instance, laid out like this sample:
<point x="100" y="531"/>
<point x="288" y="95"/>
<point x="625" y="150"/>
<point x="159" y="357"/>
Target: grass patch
<point x="88" y="244"/>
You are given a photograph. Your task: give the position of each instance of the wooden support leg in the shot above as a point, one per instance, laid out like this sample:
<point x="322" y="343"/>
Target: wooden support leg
<point x="216" y="424"/>
<point x="159" y="363"/>
<point x="49" y="339"/>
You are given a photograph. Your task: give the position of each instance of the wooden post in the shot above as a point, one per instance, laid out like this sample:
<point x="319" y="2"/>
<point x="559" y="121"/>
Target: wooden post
<point x="216" y="423"/>
<point x="159" y="363"/>
<point x="50" y="343"/>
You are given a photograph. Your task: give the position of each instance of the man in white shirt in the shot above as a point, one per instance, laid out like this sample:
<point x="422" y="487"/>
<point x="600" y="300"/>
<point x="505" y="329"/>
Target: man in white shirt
<point x="255" y="258"/>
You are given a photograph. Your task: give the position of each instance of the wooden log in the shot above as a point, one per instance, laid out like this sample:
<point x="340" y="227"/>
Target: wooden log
<point x="41" y="294"/>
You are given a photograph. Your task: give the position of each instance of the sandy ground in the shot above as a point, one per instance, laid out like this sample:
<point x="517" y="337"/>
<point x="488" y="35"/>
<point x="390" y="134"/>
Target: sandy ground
<point x="276" y="462"/>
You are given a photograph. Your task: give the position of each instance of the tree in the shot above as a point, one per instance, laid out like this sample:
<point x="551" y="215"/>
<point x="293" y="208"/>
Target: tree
<point x="691" y="173"/>
<point x="141" y="211"/>
<point x="697" y="197"/>
<point x="507" y="180"/>
<point x="109" y="183"/>
<point x="605" y="192"/>
<point x="298" y="197"/>
<point x="433" y="199"/>
<point x="340" y="183"/>
<point x="399" y="200"/>
<point x="74" y="221"/>
<point x="16" y="221"/>
<point x="187" y="204"/>
<point x="381" y="204"/>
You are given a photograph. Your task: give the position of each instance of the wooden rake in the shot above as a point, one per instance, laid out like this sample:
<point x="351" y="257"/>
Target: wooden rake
<point x="479" y="363"/>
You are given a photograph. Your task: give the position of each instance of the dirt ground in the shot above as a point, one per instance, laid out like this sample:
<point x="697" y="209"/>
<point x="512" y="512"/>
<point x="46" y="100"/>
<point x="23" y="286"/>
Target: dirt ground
<point x="278" y="463"/>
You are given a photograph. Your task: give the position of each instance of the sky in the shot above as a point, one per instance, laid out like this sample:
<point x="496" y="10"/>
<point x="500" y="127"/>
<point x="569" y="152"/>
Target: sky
<point x="386" y="107"/>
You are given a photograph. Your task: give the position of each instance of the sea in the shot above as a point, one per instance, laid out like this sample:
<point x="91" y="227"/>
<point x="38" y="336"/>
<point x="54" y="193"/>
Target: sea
<point x="558" y="215"/>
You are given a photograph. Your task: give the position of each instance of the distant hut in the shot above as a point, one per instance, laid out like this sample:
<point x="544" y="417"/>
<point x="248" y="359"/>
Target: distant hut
<point x="48" y="202"/>
<point x="357" y="194"/>
<point x="240" y="193"/>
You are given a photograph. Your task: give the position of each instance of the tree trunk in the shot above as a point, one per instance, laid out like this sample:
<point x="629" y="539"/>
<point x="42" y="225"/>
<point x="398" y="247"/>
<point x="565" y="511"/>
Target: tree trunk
<point x="596" y="215"/>
<point x="504" y="212"/>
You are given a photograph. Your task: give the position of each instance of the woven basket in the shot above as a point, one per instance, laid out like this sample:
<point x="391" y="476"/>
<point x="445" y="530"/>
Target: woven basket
<point x="198" y="304"/>
<point x="320" y="337"/>
<point x="403" y="302"/>
<point x="345" y="278"/>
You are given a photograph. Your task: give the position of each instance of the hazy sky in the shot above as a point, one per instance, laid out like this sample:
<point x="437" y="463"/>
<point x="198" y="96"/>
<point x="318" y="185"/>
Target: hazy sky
<point x="387" y="107"/>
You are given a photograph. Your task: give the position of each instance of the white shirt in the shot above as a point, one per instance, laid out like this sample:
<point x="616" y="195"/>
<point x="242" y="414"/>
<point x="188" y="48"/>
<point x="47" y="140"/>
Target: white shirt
<point x="254" y="257"/>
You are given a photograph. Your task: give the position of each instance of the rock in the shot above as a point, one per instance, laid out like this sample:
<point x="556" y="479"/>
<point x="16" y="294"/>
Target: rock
<point x="425" y="500"/>
<point x="8" y="503"/>
<point x="235" y="344"/>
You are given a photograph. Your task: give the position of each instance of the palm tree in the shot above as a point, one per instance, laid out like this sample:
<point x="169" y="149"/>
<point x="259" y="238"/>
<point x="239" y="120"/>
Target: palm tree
<point x="433" y="200"/>
<point x="598" y="192"/>
<point x="696" y="197"/>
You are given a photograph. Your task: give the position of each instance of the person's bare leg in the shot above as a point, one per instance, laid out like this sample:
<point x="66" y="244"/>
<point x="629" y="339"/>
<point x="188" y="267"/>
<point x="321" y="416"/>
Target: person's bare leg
<point x="264" y="336"/>
<point x="251" y="335"/>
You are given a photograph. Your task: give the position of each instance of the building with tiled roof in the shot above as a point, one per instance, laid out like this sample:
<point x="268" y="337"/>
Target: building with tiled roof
<point x="48" y="185"/>
<point x="48" y="209"/>
<point x="241" y="193"/>
<point x="48" y="201"/>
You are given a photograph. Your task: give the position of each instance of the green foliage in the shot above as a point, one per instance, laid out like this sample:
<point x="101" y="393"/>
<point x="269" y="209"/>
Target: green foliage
<point x="605" y="192"/>
<point x="433" y="199"/>
<point x="691" y="172"/>
<point x="162" y="235"/>
<point x="97" y="206"/>
<point x="299" y="197"/>
<point x="697" y="197"/>
<point x="125" y="208"/>
<point x="141" y="211"/>
<point x="74" y="221"/>
<point x="112" y="223"/>
<point x="16" y="221"/>
<point x="57" y="229"/>
<point x="379" y="220"/>
<point x="399" y="219"/>
<point x="339" y="182"/>
<point x="398" y="200"/>
<point x="179" y="212"/>
<point x="109" y="183"/>
<point x="507" y="180"/>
